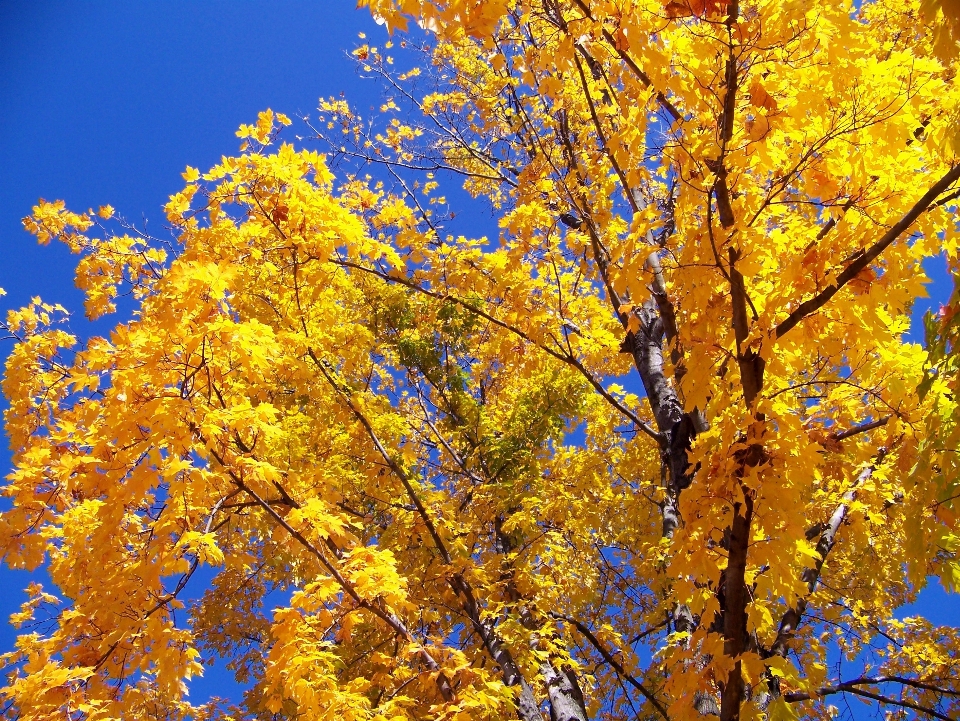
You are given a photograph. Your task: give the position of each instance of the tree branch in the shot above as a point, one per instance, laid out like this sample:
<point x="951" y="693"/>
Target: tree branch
<point x="862" y="428"/>
<point x="828" y="536"/>
<point x="495" y="646"/>
<point x="814" y="304"/>
<point x="852" y="687"/>
<point x="631" y="63"/>
<point x="387" y="616"/>
<point x="611" y="659"/>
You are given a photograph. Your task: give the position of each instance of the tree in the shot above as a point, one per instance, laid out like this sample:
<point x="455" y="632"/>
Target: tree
<point x="432" y="445"/>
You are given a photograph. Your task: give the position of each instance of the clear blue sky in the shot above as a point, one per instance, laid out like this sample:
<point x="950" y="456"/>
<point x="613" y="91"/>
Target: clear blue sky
<point x="107" y="102"/>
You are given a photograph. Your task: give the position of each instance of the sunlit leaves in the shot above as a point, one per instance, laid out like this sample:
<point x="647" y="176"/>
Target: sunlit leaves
<point x="433" y="447"/>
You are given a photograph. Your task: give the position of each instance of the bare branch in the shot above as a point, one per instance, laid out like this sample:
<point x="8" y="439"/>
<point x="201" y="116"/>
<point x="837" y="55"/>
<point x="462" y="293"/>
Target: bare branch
<point x="853" y="687"/>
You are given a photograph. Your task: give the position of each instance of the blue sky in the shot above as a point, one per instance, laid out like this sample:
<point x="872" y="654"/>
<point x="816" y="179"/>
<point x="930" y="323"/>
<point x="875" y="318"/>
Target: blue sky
<point x="108" y="102"/>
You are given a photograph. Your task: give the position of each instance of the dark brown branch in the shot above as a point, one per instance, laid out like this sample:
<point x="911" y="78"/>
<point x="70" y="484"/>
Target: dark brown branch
<point x="603" y="140"/>
<point x="736" y="597"/>
<point x="943" y="201"/>
<point x="862" y="428"/>
<point x="443" y="684"/>
<point x="912" y="683"/>
<point x="721" y="190"/>
<point x="750" y="362"/>
<point x="397" y="469"/>
<point x="853" y="687"/>
<point x="642" y="76"/>
<point x="181" y="584"/>
<point x="646" y="632"/>
<point x="813" y="304"/>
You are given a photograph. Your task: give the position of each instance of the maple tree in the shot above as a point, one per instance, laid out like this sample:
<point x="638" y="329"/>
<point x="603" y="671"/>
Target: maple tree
<point x="436" y="446"/>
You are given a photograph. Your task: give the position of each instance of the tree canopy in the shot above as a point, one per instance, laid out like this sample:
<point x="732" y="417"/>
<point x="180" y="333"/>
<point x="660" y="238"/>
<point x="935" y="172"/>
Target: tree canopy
<point x="658" y="451"/>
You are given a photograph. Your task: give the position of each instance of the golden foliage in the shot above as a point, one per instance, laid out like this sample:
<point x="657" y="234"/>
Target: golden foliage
<point x="431" y="442"/>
